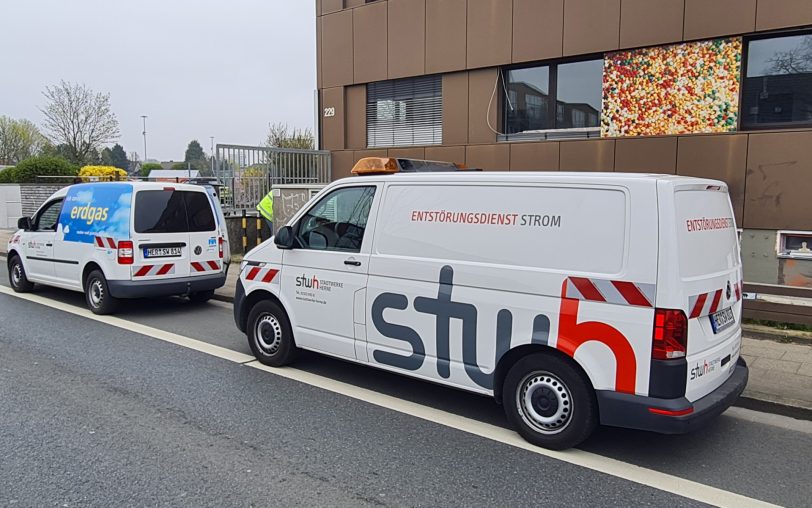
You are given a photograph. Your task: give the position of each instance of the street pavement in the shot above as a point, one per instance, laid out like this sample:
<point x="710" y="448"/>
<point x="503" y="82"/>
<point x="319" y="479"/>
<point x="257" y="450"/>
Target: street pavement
<point x="97" y="412"/>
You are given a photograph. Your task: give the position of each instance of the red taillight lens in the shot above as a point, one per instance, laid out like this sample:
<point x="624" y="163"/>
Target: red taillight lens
<point x="220" y="246"/>
<point x="670" y="334"/>
<point x="125" y="252"/>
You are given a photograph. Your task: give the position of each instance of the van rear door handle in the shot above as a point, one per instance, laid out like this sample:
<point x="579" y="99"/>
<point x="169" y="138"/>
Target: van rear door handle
<point x="352" y="262"/>
<point x="49" y="245"/>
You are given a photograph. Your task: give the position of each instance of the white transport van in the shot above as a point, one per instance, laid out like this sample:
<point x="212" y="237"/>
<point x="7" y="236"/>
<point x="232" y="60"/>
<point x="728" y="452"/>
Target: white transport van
<point x="123" y="240"/>
<point x="572" y="298"/>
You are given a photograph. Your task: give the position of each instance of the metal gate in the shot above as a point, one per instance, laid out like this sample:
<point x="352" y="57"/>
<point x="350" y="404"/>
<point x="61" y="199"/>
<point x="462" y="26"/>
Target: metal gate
<point x="247" y="173"/>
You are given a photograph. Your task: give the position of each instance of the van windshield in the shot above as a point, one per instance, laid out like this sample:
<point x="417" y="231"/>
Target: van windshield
<point x="172" y="211"/>
<point x="708" y="242"/>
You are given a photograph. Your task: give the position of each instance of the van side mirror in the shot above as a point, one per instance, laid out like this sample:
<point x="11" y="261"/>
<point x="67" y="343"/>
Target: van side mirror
<point x="284" y="238"/>
<point x="24" y="223"/>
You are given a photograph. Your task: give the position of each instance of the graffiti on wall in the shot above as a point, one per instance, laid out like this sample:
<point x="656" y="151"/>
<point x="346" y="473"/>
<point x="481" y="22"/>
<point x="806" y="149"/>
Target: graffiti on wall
<point x="678" y="89"/>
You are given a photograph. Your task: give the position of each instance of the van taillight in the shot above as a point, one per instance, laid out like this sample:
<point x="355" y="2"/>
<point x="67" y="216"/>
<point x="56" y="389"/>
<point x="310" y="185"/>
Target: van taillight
<point x="220" y="246"/>
<point x="125" y="252"/>
<point x="670" y="334"/>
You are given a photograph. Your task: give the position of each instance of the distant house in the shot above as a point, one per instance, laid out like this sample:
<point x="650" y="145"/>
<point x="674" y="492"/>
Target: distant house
<point x="173" y="175"/>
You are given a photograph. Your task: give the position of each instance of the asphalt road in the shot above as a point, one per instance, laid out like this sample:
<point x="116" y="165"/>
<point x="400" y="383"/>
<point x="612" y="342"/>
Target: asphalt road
<point x="94" y="414"/>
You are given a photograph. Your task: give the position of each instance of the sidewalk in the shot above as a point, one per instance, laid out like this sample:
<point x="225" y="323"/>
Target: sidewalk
<point x="780" y="372"/>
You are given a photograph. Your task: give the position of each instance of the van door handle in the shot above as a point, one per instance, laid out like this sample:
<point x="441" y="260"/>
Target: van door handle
<point x="49" y="245"/>
<point x="352" y="262"/>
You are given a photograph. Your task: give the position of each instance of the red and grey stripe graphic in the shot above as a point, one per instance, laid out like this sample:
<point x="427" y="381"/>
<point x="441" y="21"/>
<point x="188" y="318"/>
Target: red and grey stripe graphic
<point x="611" y="291"/>
<point x="205" y="266"/>
<point x="15" y="239"/>
<point x="105" y="242"/>
<point x="259" y="274"/>
<point x="708" y="303"/>
<point x="153" y="270"/>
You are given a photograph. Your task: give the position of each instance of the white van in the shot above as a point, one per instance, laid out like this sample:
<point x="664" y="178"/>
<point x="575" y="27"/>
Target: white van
<point x="123" y="240"/>
<point x="572" y="298"/>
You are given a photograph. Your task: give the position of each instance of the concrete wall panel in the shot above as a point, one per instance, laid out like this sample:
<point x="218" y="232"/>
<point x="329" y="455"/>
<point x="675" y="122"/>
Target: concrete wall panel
<point x="369" y="52"/>
<point x="407" y="48"/>
<point x="332" y="130"/>
<point x="355" y="98"/>
<point x="591" y="26"/>
<point x="779" y="166"/>
<point x="774" y="14"/>
<point x="715" y="18"/>
<point x="480" y="106"/>
<point x="336" y="49"/>
<point x="490" y="23"/>
<point x="455" y="108"/>
<point x="445" y="35"/>
<point x="650" y="22"/>
<point x="416" y="152"/>
<point x="329" y="6"/>
<point x="646" y="155"/>
<point x="488" y="157"/>
<point x="353" y="3"/>
<point x="718" y="157"/>
<point x="341" y="163"/>
<point x="534" y="156"/>
<point x="587" y="155"/>
<point x="454" y="154"/>
<point x="538" y="29"/>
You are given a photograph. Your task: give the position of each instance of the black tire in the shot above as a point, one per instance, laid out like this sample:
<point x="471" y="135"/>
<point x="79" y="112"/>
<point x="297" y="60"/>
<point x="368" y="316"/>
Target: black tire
<point x="270" y="335"/>
<point x="202" y="296"/>
<point x="97" y="294"/>
<point x="16" y="276"/>
<point x="550" y="401"/>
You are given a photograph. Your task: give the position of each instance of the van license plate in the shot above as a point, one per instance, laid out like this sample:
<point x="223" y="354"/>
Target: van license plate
<point x="722" y="319"/>
<point x="161" y="252"/>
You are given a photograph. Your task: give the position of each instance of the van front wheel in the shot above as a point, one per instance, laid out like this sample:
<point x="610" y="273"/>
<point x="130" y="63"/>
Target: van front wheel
<point x="549" y="401"/>
<point x="16" y="276"/>
<point x="97" y="294"/>
<point x="270" y="335"/>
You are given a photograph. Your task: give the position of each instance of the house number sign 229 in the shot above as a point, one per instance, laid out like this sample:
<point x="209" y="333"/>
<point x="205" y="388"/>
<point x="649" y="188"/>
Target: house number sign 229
<point x="328" y="112"/>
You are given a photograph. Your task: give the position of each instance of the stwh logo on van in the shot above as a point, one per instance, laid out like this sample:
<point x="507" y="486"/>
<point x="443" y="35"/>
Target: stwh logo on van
<point x="571" y="334"/>
<point x="318" y="284"/>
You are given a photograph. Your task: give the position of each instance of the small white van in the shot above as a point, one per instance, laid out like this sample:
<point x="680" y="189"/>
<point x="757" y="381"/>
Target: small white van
<point x="572" y="298"/>
<point x="118" y="240"/>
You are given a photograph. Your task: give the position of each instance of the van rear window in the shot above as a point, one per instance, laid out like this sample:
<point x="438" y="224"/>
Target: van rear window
<point x="171" y="211"/>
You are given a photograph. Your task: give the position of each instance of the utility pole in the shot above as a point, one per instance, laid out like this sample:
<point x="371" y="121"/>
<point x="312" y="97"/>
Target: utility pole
<point x="212" y="155"/>
<point x="144" y="117"/>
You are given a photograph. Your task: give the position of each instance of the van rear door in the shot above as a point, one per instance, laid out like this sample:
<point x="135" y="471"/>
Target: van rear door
<point x="204" y="237"/>
<point x="709" y="282"/>
<point x="160" y="235"/>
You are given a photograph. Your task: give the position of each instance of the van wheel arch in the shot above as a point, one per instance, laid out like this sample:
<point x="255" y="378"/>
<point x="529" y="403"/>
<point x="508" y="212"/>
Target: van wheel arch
<point x="254" y="298"/>
<point x="10" y="257"/>
<point x="510" y="358"/>
<point x="90" y="267"/>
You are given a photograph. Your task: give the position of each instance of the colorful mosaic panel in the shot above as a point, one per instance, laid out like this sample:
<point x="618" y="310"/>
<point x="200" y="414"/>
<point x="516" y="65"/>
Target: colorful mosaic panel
<point x="678" y="89"/>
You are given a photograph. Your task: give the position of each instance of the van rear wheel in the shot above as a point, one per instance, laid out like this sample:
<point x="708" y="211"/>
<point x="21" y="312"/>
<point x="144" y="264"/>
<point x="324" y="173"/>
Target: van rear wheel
<point x="270" y="335"/>
<point x="16" y="276"/>
<point x="549" y="401"/>
<point x="97" y="294"/>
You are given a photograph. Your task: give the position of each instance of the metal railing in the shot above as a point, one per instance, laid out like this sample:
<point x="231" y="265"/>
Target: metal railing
<point x="247" y="173"/>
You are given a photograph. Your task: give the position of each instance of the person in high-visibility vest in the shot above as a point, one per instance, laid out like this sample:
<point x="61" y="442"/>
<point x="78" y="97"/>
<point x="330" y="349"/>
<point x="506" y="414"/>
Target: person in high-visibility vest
<point x="265" y="208"/>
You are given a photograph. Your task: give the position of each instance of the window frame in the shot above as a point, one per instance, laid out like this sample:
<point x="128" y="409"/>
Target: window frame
<point x="742" y="125"/>
<point x="552" y="109"/>
<point x="781" y="244"/>
<point x="47" y="206"/>
<point x="307" y="213"/>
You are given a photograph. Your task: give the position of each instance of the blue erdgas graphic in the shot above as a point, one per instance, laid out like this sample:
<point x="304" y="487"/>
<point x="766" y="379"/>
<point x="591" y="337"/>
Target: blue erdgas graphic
<point x="96" y="210"/>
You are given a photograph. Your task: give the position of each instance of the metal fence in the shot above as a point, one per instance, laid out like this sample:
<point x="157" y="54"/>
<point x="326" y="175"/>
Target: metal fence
<point x="247" y="173"/>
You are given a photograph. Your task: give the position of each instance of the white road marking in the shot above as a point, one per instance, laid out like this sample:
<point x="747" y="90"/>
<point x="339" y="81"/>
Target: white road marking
<point x="784" y="422"/>
<point x="155" y="333"/>
<point x="643" y="476"/>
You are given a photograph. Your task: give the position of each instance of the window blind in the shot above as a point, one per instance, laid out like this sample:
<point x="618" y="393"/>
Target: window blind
<point x="405" y="112"/>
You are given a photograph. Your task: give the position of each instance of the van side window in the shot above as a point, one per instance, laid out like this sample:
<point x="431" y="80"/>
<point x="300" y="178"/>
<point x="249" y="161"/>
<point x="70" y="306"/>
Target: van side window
<point x="171" y="211"/>
<point x="48" y="217"/>
<point x="337" y="221"/>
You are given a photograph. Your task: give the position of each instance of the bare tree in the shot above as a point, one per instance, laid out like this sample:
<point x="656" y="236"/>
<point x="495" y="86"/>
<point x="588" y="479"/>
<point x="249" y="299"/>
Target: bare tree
<point x="281" y="136"/>
<point x="19" y="140"/>
<point x="793" y="61"/>
<point x="79" y="118"/>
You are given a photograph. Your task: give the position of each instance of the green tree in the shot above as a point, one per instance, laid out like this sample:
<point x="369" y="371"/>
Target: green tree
<point x="79" y="118"/>
<point x="19" y="140"/>
<point x="147" y="168"/>
<point x="107" y="157"/>
<point x="120" y="157"/>
<point x="197" y="158"/>
<point x="44" y="165"/>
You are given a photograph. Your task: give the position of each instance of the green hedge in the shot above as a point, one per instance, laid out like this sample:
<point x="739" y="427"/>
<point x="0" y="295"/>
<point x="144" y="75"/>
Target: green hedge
<point x="7" y="175"/>
<point x="45" y="165"/>
<point x="147" y="168"/>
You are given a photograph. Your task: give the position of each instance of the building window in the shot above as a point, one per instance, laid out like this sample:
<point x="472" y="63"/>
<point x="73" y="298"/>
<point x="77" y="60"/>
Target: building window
<point x="405" y="112"/>
<point x="778" y="82"/>
<point x="795" y="244"/>
<point x="575" y="88"/>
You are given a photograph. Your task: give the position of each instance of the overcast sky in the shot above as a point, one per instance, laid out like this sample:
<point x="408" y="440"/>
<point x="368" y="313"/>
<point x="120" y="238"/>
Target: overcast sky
<point x="196" y="68"/>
